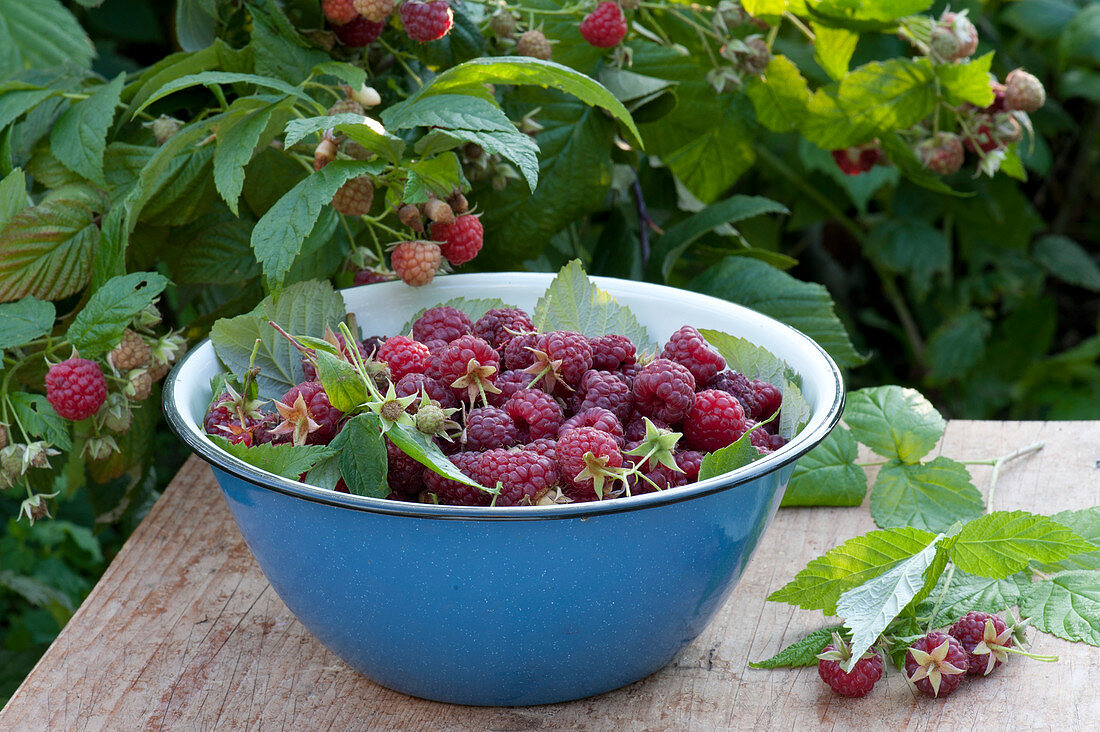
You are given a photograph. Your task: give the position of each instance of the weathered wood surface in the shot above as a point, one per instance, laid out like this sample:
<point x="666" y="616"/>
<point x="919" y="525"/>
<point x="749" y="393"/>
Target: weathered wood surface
<point x="183" y="632"/>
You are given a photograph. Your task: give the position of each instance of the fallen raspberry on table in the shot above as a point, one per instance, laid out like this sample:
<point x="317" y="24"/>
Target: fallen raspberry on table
<point x="664" y="390"/>
<point x="76" y="388"/>
<point x="535" y="412"/>
<point x="359" y="32"/>
<point x="605" y="26"/>
<point x="374" y="10"/>
<point x="354" y="197"/>
<point x="936" y="664"/>
<point x="459" y="241"/>
<point x="716" y="419"/>
<point x="1023" y="92"/>
<point x="688" y="348"/>
<point x="339" y="11"/>
<point x="519" y="475"/>
<point x="442" y="323"/>
<point x="404" y="356"/>
<point x="132" y="353"/>
<point x="855" y="683"/>
<point x="416" y="262"/>
<point x="605" y="390"/>
<point x="587" y="459"/>
<point x="307" y="416"/>
<point x="500" y="325"/>
<point x="488" y="428"/>
<point x="469" y="365"/>
<point x="942" y="153"/>
<point x="533" y="43"/>
<point x="984" y="637"/>
<point x="427" y="21"/>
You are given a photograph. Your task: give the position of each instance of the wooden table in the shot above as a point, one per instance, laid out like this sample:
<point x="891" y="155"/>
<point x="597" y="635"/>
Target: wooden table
<point x="183" y="632"/>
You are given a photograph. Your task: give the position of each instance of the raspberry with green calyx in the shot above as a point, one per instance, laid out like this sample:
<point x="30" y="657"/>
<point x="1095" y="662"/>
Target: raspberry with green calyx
<point x="855" y="683"/>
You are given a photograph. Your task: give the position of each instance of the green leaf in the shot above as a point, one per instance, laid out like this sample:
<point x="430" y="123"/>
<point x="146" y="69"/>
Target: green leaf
<point x="512" y="145"/>
<point x="956" y="346"/>
<point x="902" y="156"/>
<point x="779" y="95"/>
<point x="19" y="99"/>
<point x="574" y="302"/>
<point x="353" y="76"/>
<point x="758" y="8"/>
<point x="13" y="195"/>
<point x="40" y="35"/>
<point x="449" y="112"/>
<point x="34" y="591"/>
<point x="729" y="458"/>
<point x="1042" y="20"/>
<point x="278" y="236"/>
<point x="422" y="449"/>
<point x="912" y="247"/>
<point x="215" y="250"/>
<point x="871" y="10"/>
<point x="1086" y="524"/>
<point x="23" y="321"/>
<point x="803" y="652"/>
<point x="967" y="82"/>
<point x="439" y="175"/>
<point x="523" y="70"/>
<point x="1004" y="542"/>
<point x="474" y="308"/>
<point x="363" y="461"/>
<point x="79" y="137"/>
<point x="303" y="307"/>
<point x="806" y="306"/>
<point x="1077" y="41"/>
<point x="207" y="78"/>
<point x="869" y="608"/>
<point x="969" y="592"/>
<point x="110" y="254"/>
<point x="931" y="496"/>
<point x="237" y="140"/>
<point x="289" y="461"/>
<point x="366" y="131"/>
<point x="821" y="583"/>
<point x="677" y="238"/>
<point x="828" y="475"/>
<point x="1066" y="605"/>
<point x="745" y="357"/>
<point x="796" y="410"/>
<point x="877" y="98"/>
<point x="98" y="327"/>
<point x="833" y="49"/>
<point x="342" y="383"/>
<point x="278" y="50"/>
<point x="894" y="422"/>
<point x="196" y="24"/>
<point x="1068" y="261"/>
<point x="48" y="248"/>
<point x="39" y="419"/>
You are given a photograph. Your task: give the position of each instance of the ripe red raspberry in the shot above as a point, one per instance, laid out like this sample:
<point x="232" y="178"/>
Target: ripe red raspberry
<point x="764" y="442"/>
<point x="942" y="153"/>
<point x="1023" y="92"/>
<point x="607" y="391"/>
<point x="534" y="44"/>
<point x="488" y="428"/>
<point x="427" y="21"/>
<point x="984" y="637"/>
<point x="470" y="366"/>
<point x="634" y="429"/>
<point x="858" y="159"/>
<point x="664" y="390"/>
<point x="453" y="493"/>
<point x="687" y="347"/>
<point x="587" y="458"/>
<point x="416" y="262"/>
<point x="936" y="664"/>
<point x="404" y="356"/>
<point x="519" y="474"/>
<point x="605" y="26"/>
<point x="404" y="474"/>
<point x="307" y="415"/>
<point x="737" y="384"/>
<point x="653" y="477"/>
<point x="509" y="383"/>
<point x="460" y="240"/>
<point x="768" y="401"/>
<point x="535" y="412"/>
<point x="339" y="12"/>
<point x="369" y="277"/>
<point x="716" y="420"/>
<point x="982" y="139"/>
<point x="500" y="325"/>
<point x="519" y="352"/>
<point x="689" y="462"/>
<point x="628" y="371"/>
<point x="544" y="446"/>
<point x="354" y="197"/>
<point x="417" y="383"/>
<point x="442" y="323"/>
<point x="611" y="351"/>
<point x="76" y="388"/>
<point x="855" y="683"/>
<point x="561" y="355"/>
<point x="374" y="10"/>
<point x="600" y="419"/>
<point x="358" y="32"/>
<point x="233" y="417"/>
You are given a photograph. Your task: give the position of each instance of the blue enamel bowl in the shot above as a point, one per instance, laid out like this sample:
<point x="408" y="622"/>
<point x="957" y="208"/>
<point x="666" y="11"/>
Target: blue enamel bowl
<point x="521" y="605"/>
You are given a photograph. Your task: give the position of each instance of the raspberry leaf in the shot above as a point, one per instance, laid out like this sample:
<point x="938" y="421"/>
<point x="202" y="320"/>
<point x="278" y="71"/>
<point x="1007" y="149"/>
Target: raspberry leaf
<point x="511" y="145"/>
<point x="795" y="413"/>
<point x="439" y="175"/>
<point x="207" y="78"/>
<point x="828" y="475"/>
<point x="363" y="462"/>
<point x="746" y="357"/>
<point x="24" y="320"/>
<point x="40" y="35"/>
<point x="342" y="382"/>
<point x="367" y="131"/>
<point x="238" y="137"/>
<point x="930" y="496"/>
<point x="894" y="422"/>
<point x="967" y="82"/>
<point x="98" y="327"/>
<point x="970" y="592"/>
<point x="40" y="420"/>
<point x="79" y="137"/>
<point x="1086" y="524"/>
<point x="1066" y="605"/>
<point x="731" y="457"/>
<point x="780" y="95"/>
<point x="13" y="195"/>
<point x="833" y="49"/>
<point x="289" y="461"/>
<point x="1068" y="261"/>
<point x="1004" y="542"/>
<point x="821" y="583"/>
<point x="801" y="653"/>
<point x="870" y="607"/>
<point x="420" y="447"/>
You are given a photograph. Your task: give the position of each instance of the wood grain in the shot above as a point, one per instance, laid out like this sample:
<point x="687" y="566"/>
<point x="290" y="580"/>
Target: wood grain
<point x="183" y="632"/>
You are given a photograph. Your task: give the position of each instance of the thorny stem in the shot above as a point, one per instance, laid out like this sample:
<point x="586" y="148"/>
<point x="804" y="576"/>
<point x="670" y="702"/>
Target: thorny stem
<point x="939" y="600"/>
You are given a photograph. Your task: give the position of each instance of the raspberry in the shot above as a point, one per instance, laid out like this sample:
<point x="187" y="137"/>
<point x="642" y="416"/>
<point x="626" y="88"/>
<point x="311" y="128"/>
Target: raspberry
<point x="965" y="33"/>
<point x="664" y="390"/>
<point x="689" y="461"/>
<point x="520" y="474"/>
<point x="936" y="664"/>
<point x="600" y="419"/>
<point x="587" y="457"/>
<point x="460" y="241"/>
<point x="469" y="365"/>
<point x="488" y="428"/>
<point x="855" y="683"/>
<point x="544" y="446"/>
<point x="628" y="371"/>
<point x="1023" y="92"/>
<point x="561" y="355"/>
<point x="534" y="44"/>
<point x="611" y="351"/>
<point x="409" y="215"/>
<point x="519" y="351"/>
<point x="307" y="415"/>
<point x="453" y="493"/>
<point x="858" y="159"/>
<point x="404" y="474"/>
<point x="131" y="353"/>
<point x="758" y="56"/>
<point x="606" y="391"/>
<point x="404" y="356"/>
<point x="768" y="400"/>
<point x="359" y="32"/>
<point x="503" y="24"/>
<point x="500" y="325"/>
<point x="370" y="277"/>
<point x="984" y="637"/>
<point x="605" y="26"/>
<point x="140" y="385"/>
<point x="354" y="197"/>
<point x="634" y="429"/>
<point x="76" y="388"/>
<point x="942" y="153"/>
<point x="442" y="323"/>
<point x="509" y="383"/>
<point x="536" y="412"/>
<point x="945" y="43"/>
<point x="982" y="139"/>
<point x="764" y="441"/>
<point x="688" y="348"/>
<point x="339" y="12"/>
<point x="427" y="21"/>
<point x="416" y="262"/>
<point x="374" y="10"/>
<point x="417" y="383"/>
<point x="717" y="419"/>
<point x="264" y="434"/>
<point x="737" y="384"/>
<point x="371" y="344"/>
<point x="233" y="417"/>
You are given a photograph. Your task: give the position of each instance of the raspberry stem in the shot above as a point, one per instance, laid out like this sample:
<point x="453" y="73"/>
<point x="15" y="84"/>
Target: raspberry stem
<point x="1001" y="461"/>
<point x="939" y="600"/>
